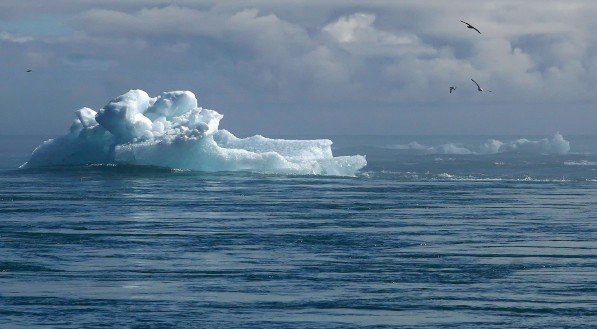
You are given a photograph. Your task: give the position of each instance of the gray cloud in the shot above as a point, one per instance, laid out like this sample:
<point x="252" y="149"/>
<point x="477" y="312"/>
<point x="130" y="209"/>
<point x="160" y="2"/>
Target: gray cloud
<point x="8" y="37"/>
<point x="344" y="57"/>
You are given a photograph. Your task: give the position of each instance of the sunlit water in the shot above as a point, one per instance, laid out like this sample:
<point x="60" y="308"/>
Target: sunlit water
<point x="427" y="240"/>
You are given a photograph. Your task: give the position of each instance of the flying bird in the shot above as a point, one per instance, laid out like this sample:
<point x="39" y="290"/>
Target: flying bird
<point x="452" y="88"/>
<point x="28" y="70"/>
<point x="479" y="87"/>
<point x="471" y="27"/>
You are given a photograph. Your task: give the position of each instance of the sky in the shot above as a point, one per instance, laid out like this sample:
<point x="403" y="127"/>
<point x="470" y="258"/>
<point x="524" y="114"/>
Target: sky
<point x="334" y="67"/>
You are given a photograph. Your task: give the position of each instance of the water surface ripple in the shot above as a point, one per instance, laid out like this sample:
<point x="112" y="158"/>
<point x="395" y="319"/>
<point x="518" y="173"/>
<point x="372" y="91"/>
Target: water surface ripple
<point x="97" y="246"/>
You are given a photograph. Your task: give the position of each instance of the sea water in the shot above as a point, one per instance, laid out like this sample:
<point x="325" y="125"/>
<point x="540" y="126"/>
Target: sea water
<point x="426" y="235"/>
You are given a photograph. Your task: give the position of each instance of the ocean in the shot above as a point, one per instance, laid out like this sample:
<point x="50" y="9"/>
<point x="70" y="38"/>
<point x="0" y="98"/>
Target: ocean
<point x="436" y="231"/>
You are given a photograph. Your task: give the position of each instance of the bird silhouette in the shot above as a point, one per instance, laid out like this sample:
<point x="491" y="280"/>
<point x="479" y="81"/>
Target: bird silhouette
<point x="470" y="26"/>
<point x="452" y="88"/>
<point x="479" y="87"/>
<point x="28" y="70"/>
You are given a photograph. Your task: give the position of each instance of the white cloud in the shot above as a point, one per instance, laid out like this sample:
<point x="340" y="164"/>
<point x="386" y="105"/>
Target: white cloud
<point x="324" y="54"/>
<point x="5" y="36"/>
<point x="356" y="34"/>
<point x="372" y="57"/>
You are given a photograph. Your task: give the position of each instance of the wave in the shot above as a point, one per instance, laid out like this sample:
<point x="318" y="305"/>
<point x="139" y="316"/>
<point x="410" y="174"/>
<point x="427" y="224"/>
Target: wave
<point x="171" y="131"/>
<point x="554" y="145"/>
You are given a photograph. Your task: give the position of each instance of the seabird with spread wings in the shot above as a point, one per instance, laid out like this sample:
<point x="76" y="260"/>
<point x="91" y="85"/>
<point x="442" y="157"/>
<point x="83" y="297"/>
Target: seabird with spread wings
<point x="471" y="27"/>
<point x="479" y="87"/>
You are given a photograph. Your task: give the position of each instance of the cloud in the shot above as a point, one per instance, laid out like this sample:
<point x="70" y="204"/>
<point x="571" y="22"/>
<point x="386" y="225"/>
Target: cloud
<point x="357" y="34"/>
<point x="359" y="28"/>
<point x="362" y="54"/>
<point x="7" y="37"/>
<point x="344" y="55"/>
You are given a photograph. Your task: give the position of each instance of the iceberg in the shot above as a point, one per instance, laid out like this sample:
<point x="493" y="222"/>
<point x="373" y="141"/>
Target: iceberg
<point x="555" y="145"/>
<point x="172" y="131"/>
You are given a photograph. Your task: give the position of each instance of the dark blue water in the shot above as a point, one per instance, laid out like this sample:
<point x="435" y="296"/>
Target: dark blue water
<point x="417" y="240"/>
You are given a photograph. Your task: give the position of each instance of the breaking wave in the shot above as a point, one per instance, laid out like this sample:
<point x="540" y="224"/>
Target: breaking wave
<point x="172" y="131"/>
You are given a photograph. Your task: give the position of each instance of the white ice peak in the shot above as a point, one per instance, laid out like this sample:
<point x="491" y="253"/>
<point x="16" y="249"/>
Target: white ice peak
<point x="172" y="131"/>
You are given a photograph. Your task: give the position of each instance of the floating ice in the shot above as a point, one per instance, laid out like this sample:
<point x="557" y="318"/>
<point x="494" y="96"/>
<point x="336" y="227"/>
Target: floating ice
<point x="491" y="146"/>
<point x="555" y="145"/>
<point x="172" y="131"/>
<point x="416" y="146"/>
<point x="452" y="148"/>
<point x="123" y="116"/>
